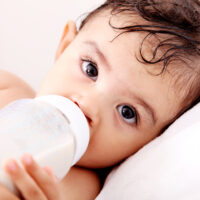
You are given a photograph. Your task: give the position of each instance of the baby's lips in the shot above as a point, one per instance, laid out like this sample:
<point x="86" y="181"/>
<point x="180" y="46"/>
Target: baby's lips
<point x="89" y="120"/>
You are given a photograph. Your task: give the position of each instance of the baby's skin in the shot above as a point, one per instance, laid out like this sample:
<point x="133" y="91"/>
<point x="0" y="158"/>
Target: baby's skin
<point x="125" y="105"/>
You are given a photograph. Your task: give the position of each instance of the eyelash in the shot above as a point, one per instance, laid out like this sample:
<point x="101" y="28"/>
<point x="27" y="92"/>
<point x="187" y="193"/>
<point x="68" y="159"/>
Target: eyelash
<point x="88" y="59"/>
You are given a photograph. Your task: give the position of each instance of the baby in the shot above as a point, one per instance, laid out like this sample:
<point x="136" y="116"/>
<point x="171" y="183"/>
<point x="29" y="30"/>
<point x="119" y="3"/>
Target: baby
<point x="133" y="68"/>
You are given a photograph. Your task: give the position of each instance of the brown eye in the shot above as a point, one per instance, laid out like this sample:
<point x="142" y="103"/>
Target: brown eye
<point x="90" y="69"/>
<point x="128" y="113"/>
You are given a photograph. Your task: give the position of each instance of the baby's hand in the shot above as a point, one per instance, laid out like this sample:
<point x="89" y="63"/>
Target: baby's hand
<point x="33" y="182"/>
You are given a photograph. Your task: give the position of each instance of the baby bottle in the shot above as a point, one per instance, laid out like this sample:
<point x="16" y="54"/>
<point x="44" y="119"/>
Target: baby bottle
<point x="51" y="128"/>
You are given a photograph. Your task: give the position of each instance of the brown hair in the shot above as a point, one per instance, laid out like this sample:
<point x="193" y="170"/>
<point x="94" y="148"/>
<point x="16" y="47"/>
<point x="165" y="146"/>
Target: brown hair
<point x="178" y="22"/>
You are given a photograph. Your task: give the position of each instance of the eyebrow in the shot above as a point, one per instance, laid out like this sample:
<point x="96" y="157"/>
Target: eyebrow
<point x="140" y="101"/>
<point x="99" y="53"/>
<point x="148" y="108"/>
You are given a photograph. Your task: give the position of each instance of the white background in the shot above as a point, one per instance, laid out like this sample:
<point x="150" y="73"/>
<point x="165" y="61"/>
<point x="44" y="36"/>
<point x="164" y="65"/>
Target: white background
<point x="30" y="31"/>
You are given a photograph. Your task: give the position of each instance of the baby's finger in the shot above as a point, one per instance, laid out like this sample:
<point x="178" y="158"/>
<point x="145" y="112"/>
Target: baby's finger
<point x="25" y="184"/>
<point x="47" y="183"/>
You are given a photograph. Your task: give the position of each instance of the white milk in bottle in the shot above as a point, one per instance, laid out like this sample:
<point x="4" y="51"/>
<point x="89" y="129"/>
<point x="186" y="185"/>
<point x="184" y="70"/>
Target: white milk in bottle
<point x="51" y="128"/>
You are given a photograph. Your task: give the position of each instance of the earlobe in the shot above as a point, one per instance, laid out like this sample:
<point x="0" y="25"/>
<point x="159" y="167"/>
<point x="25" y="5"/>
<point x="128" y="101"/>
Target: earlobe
<point x="68" y="35"/>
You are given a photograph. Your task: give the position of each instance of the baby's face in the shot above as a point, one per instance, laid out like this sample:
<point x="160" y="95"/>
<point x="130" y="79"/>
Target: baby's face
<point x="126" y="106"/>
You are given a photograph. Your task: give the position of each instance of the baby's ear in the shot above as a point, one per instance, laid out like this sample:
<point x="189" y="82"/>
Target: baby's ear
<point x="68" y="35"/>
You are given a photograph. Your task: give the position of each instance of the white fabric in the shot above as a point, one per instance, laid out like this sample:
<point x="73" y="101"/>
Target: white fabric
<point x="168" y="168"/>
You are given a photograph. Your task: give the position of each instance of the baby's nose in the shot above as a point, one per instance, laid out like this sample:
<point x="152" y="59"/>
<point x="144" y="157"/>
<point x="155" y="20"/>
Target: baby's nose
<point x="88" y="107"/>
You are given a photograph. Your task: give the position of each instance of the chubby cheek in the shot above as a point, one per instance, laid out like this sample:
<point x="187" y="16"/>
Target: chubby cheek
<point x="109" y="148"/>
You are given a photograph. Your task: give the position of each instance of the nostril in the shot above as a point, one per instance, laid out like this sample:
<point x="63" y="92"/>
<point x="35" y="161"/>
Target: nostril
<point x="76" y="103"/>
<point x="89" y="120"/>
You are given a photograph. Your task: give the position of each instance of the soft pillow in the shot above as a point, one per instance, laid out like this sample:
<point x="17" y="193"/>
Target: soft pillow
<point x="168" y="168"/>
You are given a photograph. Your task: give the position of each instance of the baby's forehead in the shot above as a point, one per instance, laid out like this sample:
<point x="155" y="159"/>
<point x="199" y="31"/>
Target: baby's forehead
<point x="148" y="48"/>
<point x="103" y="29"/>
<point x="109" y="27"/>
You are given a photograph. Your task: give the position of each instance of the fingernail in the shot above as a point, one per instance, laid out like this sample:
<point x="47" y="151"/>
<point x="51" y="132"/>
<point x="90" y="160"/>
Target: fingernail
<point x="11" y="166"/>
<point x="27" y="159"/>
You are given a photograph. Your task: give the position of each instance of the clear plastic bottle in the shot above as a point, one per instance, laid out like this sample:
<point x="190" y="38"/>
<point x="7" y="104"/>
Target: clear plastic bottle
<point x="51" y="128"/>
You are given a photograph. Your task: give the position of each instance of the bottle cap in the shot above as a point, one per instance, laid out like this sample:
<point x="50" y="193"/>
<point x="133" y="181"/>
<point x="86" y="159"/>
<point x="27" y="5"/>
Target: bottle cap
<point x="78" y="121"/>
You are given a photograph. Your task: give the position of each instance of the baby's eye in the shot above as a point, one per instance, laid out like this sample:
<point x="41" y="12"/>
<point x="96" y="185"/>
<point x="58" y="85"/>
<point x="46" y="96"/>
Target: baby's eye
<point x="90" y="69"/>
<point x="128" y="113"/>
